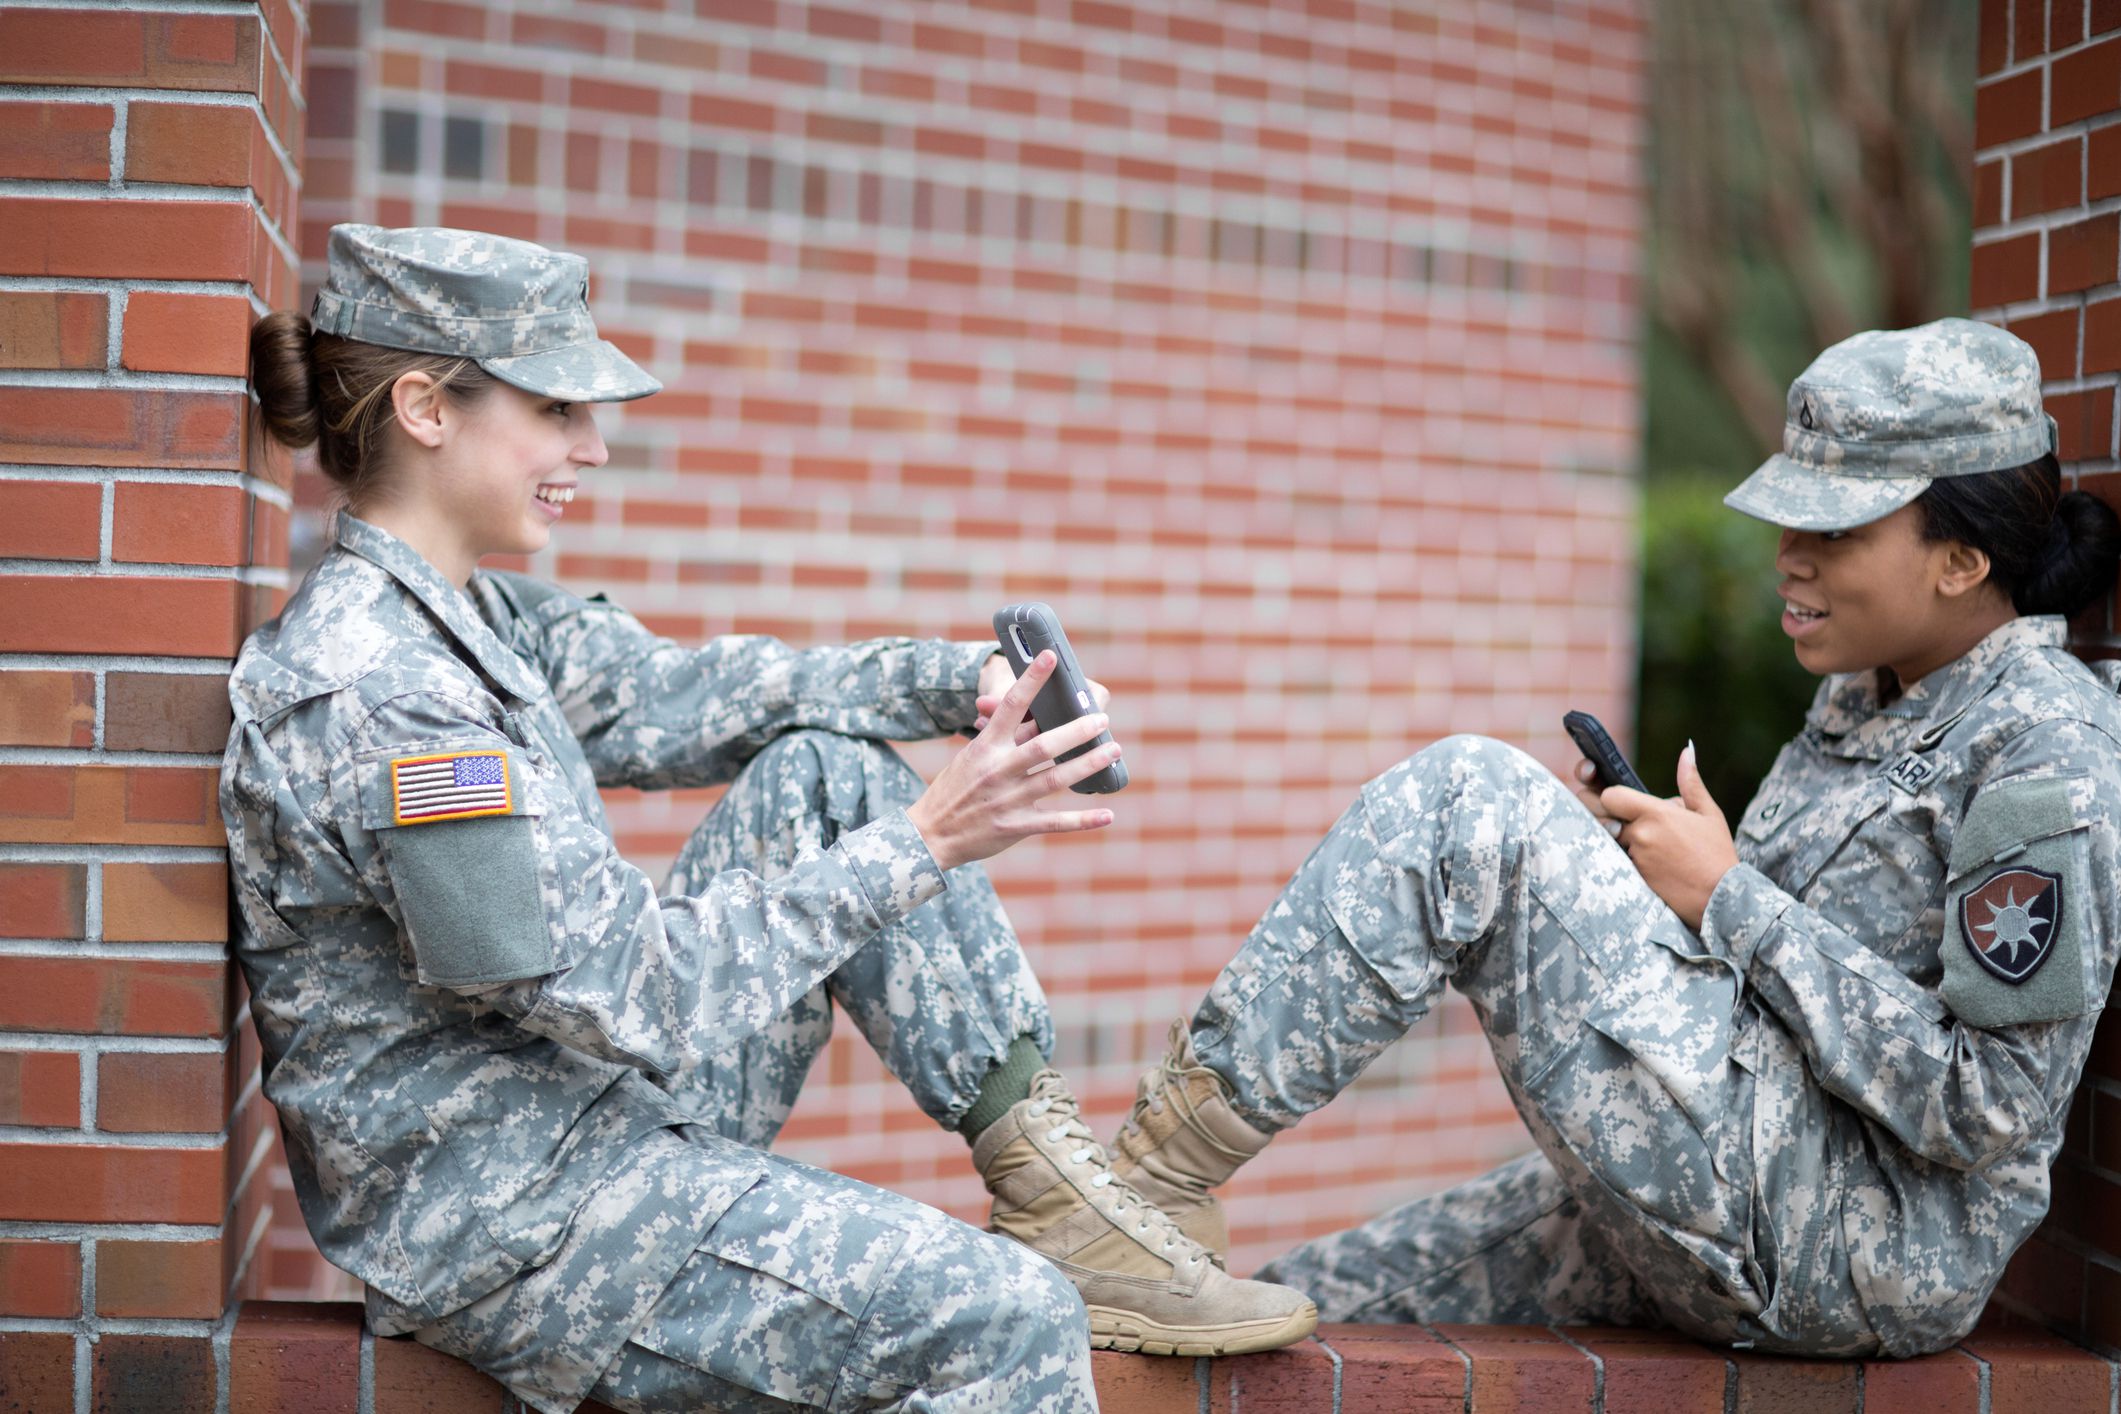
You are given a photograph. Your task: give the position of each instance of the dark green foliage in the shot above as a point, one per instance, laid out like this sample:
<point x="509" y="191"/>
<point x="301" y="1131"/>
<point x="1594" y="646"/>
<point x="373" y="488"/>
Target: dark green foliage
<point x="1716" y="666"/>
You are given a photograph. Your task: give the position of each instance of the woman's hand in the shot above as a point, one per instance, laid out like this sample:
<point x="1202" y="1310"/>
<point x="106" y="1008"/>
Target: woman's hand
<point x="989" y="796"/>
<point x="995" y="675"/>
<point x="1682" y="847"/>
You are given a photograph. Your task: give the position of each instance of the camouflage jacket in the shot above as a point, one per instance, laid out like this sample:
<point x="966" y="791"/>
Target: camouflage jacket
<point x="1926" y="914"/>
<point x="461" y="1063"/>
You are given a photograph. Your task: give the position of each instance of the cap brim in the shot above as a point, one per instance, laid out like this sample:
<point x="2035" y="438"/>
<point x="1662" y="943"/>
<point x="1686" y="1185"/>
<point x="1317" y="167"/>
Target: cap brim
<point x="1799" y="497"/>
<point x="590" y="372"/>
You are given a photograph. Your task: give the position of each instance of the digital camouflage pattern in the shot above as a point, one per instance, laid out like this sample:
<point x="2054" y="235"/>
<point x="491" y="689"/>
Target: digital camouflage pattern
<point x="519" y="1170"/>
<point x="1882" y="413"/>
<point x="520" y="310"/>
<point x="1777" y="1132"/>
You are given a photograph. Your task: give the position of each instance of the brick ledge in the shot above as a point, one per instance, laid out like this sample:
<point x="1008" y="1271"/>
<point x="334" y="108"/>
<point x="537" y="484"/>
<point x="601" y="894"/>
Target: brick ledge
<point x="306" y="1358"/>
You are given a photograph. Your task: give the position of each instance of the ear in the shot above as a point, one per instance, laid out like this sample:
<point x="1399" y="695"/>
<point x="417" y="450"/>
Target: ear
<point x="1964" y="569"/>
<point x="417" y="404"/>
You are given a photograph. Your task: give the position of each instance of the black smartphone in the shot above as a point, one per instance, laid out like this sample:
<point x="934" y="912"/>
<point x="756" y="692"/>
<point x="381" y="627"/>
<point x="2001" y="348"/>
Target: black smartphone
<point x="1026" y="630"/>
<point x="1598" y="748"/>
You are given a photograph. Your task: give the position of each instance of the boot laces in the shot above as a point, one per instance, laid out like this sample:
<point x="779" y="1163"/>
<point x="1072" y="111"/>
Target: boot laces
<point x="1150" y="1226"/>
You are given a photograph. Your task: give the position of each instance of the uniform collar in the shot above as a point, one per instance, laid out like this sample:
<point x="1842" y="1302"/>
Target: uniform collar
<point x="1848" y="709"/>
<point x="449" y="605"/>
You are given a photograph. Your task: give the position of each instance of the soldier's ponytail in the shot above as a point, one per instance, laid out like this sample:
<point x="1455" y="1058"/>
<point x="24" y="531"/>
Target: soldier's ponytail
<point x="2053" y="552"/>
<point x="334" y="392"/>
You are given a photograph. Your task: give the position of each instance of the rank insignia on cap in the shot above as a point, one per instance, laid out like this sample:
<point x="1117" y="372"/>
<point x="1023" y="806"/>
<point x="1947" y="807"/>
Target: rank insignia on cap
<point x="2009" y="921"/>
<point x="454" y="785"/>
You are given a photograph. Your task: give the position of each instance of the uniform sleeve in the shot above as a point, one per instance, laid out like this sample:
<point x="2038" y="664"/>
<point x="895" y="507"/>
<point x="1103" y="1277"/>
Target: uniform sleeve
<point x="653" y="714"/>
<point x="1970" y="1074"/>
<point x="503" y="891"/>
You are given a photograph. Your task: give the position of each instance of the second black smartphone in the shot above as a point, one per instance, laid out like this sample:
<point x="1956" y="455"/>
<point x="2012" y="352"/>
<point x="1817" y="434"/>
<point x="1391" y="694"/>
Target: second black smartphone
<point x="1026" y="630"/>
<point x="1600" y="750"/>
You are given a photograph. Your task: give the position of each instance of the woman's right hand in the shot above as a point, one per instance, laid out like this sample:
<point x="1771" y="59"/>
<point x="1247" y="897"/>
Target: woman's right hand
<point x="990" y="794"/>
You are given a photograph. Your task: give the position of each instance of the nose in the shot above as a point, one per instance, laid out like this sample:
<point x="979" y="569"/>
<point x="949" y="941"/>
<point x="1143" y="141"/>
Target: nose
<point x="1793" y="557"/>
<point x="589" y="448"/>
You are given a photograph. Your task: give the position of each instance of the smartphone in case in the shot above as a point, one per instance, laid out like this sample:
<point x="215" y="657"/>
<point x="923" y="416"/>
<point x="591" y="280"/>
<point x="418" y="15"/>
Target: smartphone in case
<point x="1598" y="748"/>
<point x="1026" y="630"/>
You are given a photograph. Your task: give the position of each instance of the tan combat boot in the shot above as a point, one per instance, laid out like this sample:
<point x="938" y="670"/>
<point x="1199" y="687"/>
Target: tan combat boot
<point x="1148" y="1286"/>
<point x="1182" y="1139"/>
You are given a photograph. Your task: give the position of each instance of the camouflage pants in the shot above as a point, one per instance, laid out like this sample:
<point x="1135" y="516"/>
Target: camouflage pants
<point x="1470" y="863"/>
<point x="814" y="1289"/>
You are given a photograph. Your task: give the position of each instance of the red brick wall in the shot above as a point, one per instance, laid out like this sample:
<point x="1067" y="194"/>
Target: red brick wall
<point x="1289" y="351"/>
<point x="149" y="162"/>
<point x="2047" y="263"/>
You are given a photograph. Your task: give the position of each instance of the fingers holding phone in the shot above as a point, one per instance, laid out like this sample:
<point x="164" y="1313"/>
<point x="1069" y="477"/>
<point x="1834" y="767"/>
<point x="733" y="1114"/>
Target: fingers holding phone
<point x="997" y="790"/>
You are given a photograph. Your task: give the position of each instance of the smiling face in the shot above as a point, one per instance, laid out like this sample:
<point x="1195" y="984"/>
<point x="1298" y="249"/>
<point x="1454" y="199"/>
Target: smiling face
<point x="489" y="476"/>
<point x="513" y="466"/>
<point x="1881" y="596"/>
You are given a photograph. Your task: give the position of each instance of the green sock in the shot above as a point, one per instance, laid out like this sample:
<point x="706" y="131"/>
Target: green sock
<point x="1008" y="1082"/>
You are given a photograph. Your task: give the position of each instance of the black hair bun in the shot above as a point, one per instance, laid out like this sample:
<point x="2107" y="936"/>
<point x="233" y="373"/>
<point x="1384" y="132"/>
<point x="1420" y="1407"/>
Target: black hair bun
<point x="2077" y="567"/>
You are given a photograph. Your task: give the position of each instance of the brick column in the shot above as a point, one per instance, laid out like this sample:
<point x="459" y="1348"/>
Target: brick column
<point x="149" y="164"/>
<point x="2047" y="264"/>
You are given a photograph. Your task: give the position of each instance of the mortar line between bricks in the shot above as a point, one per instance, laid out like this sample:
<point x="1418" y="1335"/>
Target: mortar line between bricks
<point x="108" y="1045"/>
<point x="81" y="1380"/>
<point x="2049" y="220"/>
<point x="109" y="1139"/>
<point x="76" y="1232"/>
<point x="1334" y="1356"/>
<point x="1203" y="1381"/>
<point x="1463" y="1359"/>
<point x="84" y="569"/>
<point x="89" y="950"/>
<point x="365" y="1388"/>
<point x="1862" y="1391"/>
<point x="96" y="756"/>
<point x="122" y="378"/>
<point x="1597" y="1368"/>
<point x="1730" y="1387"/>
<point x="1983" y="1364"/>
<point x="103" y="285"/>
<point x="224" y="1332"/>
<point x="132" y="191"/>
<point x="119" y="853"/>
<point x="117" y="662"/>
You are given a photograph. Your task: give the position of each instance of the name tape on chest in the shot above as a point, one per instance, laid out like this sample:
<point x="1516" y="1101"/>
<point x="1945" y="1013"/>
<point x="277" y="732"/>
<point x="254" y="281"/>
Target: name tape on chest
<point x="452" y="785"/>
<point x="1911" y="772"/>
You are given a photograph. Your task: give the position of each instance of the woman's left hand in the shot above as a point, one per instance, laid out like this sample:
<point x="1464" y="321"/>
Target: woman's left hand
<point x="1682" y="847"/>
<point x="996" y="678"/>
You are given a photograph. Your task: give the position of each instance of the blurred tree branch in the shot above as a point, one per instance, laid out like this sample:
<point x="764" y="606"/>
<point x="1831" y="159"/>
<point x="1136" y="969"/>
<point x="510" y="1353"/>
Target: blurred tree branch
<point x="1817" y="149"/>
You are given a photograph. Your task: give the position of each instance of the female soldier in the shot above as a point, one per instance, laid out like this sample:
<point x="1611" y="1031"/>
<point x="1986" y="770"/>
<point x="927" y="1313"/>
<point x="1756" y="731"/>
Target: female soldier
<point x="525" y="1099"/>
<point x="1798" y="1090"/>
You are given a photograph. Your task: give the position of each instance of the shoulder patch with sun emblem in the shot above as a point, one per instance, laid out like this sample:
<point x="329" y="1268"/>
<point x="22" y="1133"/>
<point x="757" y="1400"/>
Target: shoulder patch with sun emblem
<point x="2009" y="921"/>
<point x="2012" y="949"/>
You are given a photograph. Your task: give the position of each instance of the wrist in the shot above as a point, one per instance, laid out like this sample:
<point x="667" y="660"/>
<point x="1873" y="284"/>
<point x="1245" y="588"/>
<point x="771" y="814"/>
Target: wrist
<point x="930" y="837"/>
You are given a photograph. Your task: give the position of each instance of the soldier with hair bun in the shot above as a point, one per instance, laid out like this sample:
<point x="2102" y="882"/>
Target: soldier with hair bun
<point x="527" y="1095"/>
<point x="1796" y="1089"/>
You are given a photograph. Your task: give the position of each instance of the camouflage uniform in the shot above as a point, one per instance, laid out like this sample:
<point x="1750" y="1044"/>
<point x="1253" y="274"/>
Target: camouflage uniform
<point x="1823" y="1123"/>
<point x="525" y="1099"/>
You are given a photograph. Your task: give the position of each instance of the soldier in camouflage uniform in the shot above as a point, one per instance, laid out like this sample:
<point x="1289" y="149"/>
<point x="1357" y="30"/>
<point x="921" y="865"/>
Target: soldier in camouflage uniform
<point x="1800" y="1090"/>
<point x="526" y="1099"/>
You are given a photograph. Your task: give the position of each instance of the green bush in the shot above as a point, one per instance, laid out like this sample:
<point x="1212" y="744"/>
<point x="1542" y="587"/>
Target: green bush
<point x="1715" y="666"/>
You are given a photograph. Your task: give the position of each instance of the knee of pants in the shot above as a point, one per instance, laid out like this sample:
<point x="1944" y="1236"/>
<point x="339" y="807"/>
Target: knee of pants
<point x="971" y="1307"/>
<point x="854" y="780"/>
<point x="1457" y="758"/>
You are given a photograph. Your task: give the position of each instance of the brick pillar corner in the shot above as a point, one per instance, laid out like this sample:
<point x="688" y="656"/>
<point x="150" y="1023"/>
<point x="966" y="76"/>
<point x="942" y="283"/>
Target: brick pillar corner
<point x="152" y="160"/>
<point x="2047" y="266"/>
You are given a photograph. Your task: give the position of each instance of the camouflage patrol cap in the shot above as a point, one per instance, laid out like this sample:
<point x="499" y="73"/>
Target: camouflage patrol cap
<point x="521" y="311"/>
<point x="1880" y="415"/>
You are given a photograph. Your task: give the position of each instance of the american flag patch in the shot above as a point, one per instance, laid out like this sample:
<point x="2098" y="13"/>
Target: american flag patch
<point x="451" y="786"/>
